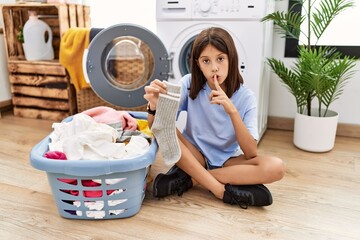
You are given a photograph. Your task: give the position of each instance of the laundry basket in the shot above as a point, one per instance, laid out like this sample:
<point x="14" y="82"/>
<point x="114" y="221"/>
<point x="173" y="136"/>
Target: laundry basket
<point x="96" y="189"/>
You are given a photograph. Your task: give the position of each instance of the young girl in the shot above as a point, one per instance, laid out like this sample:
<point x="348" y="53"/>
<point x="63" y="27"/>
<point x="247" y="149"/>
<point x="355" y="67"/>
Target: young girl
<point x="219" y="143"/>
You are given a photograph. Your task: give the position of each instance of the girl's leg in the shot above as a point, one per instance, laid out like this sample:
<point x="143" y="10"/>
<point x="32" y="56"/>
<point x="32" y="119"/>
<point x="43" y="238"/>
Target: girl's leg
<point x="193" y="163"/>
<point x="241" y="177"/>
<point x="196" y="170"/>
<point x="258" y="170"/>
<point x="236" y="171"/>
<point x="189" y="169"/>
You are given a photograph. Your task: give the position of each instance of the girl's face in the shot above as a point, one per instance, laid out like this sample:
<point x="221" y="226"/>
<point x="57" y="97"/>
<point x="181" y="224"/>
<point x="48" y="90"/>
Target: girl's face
<point x="213" y="62"/>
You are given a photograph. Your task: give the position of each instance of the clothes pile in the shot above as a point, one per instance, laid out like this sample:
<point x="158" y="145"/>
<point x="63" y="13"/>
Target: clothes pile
<point x="100" y="133"/>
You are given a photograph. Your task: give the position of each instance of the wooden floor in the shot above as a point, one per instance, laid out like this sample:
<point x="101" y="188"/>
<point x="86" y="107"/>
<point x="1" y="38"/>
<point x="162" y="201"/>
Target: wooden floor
<point x="319" y="198"/>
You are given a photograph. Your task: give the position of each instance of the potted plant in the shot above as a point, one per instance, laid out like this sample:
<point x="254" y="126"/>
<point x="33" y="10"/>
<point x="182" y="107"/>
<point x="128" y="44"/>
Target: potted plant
<point x="318" y="75"/>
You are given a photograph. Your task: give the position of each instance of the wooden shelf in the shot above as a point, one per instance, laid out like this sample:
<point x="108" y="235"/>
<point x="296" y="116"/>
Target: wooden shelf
<point x="41" y="89"/>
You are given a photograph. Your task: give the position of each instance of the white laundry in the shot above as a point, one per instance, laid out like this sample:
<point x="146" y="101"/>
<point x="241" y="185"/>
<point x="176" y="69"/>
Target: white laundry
<point x="116" y="202"/>
<point x="110" y="181"/>
<point x="93" y="145"/>
<point x="95" y="214"/>
<point x="137" y="146"/>
<point x="93" y="205"/>
<point x="99" y="205"/>
<point x="84" y="138"/>
<point x="116" y="212"/>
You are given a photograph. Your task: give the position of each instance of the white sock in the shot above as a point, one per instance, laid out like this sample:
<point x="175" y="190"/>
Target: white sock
<point x="164" y="125"/>
<point x="173" y="89"/>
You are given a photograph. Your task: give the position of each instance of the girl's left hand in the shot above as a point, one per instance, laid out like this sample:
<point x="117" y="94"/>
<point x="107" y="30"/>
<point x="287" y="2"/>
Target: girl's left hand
<point x="218" y="96"/>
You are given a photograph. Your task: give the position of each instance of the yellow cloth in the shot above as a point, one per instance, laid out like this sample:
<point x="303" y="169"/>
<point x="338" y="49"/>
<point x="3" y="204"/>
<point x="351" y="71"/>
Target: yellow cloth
<point x="143" y="126"/>
<point x="72" y="46"/>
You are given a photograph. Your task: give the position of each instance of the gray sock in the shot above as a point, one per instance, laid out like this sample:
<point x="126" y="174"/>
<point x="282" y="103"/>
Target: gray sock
<point x="173" y="89"/>
<point x="164" y="127"/>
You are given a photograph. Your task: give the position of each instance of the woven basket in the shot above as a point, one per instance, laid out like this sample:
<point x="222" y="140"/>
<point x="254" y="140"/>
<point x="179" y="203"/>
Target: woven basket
<point x="86" y="99"/>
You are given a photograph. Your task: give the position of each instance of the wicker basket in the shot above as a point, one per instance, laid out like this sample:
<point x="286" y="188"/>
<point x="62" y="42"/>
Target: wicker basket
<point x="86" y="99"/>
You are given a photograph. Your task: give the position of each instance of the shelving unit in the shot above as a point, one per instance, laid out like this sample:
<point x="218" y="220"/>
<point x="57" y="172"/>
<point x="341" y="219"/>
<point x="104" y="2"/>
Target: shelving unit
<point x="41" y="89"/>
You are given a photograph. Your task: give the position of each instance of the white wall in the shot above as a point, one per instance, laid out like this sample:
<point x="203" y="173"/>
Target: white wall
<point x="105" y="13"/>
<point x="282" y="104"/>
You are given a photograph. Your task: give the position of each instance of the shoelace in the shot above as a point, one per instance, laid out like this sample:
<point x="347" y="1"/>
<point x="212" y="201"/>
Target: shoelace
<point x="241" y="200"/>
<point x="179" y="186"/>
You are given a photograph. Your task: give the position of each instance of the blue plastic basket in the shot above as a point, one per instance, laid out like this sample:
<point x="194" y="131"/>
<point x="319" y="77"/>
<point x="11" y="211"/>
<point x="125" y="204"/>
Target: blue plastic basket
<point x="118" y="186"/>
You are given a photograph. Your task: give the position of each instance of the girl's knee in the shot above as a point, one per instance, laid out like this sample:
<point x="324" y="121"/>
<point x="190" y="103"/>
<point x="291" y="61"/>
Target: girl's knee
<point x="275" y="169"/>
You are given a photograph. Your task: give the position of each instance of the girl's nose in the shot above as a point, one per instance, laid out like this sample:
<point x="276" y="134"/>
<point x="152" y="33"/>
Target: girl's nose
<point x="214" y="68"/>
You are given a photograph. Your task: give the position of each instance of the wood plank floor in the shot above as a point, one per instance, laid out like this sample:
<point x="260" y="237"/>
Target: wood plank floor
<point x="319" y="198"/>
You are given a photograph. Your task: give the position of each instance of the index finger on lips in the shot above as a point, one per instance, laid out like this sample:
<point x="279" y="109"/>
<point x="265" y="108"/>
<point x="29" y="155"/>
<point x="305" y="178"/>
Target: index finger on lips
<point x="216" y="83"/>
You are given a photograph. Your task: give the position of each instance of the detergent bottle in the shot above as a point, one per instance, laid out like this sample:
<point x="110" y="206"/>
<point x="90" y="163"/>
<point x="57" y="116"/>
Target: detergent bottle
<point x="37" y="39"/>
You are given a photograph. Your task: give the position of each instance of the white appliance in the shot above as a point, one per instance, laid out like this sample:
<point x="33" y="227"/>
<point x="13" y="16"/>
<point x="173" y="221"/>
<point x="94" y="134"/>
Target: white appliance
<point x="180" y="21"/>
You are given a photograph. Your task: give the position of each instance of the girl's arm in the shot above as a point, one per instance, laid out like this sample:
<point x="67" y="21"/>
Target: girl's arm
<point x="246" y="141"/>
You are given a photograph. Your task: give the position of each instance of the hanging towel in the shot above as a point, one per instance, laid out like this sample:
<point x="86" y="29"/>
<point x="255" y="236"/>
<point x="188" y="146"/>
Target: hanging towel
<point x="72" y="46"/>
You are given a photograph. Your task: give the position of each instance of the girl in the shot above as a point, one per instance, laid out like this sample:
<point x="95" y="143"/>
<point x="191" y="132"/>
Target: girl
<point x="219" y="143"/>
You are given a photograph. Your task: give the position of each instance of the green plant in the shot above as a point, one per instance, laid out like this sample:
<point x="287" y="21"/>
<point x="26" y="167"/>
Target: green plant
<point x="20" y="35"/>
<point x="319" y="72"/>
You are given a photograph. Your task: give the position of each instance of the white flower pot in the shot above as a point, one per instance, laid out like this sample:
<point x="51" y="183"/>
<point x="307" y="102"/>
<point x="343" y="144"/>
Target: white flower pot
<point x="315" y="134"/>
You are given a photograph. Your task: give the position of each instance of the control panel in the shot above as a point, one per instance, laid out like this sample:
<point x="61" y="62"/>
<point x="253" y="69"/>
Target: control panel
<point x="228" y="9"/>
<point x="211" y="9"/>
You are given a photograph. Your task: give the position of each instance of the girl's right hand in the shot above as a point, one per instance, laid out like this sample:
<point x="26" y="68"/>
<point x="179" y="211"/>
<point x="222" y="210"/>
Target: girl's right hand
<point x="152" y="92"/>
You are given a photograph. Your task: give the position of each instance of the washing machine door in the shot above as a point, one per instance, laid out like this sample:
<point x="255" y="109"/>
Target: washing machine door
<point x="122" y="60"/>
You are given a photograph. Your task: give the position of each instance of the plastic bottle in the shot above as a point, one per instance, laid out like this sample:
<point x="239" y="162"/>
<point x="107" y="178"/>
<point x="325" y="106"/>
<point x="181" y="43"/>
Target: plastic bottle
<point x="36" y="45"/>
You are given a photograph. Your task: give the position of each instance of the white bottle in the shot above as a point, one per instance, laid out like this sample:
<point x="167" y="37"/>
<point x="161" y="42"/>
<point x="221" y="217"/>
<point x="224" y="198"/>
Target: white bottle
<point x="36" y="45"/>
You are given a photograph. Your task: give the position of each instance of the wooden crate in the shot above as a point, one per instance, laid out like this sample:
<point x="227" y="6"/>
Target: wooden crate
<point x="45" y="93"/>
<point x="59" y="17"/>
<point x="41" y="89"/>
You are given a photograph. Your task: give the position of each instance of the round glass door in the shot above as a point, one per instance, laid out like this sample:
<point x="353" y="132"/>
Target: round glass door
<point x="184" y="57"/>
<point x="122" y="60"/>
<point x="128" y="62"/>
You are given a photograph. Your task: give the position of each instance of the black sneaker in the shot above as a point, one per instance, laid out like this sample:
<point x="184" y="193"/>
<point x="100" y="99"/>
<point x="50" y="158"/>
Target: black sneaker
<point x="247" y="195"/>
<point x="174" y="181"/>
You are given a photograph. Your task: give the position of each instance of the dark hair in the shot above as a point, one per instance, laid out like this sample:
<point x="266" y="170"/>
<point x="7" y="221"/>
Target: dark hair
<point x="221" y="40"/>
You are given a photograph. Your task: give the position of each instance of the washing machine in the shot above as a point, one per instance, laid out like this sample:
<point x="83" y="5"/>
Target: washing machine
<point x="180" y="21"/>
<point x="124" y="58"/>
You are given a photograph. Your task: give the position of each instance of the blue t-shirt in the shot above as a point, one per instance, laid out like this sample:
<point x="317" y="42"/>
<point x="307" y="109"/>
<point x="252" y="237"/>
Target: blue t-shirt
<point x="209" y="128"/>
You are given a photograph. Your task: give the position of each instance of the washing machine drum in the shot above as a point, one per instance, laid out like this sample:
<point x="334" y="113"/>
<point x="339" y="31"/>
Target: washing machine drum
<point x="121" y="60"/>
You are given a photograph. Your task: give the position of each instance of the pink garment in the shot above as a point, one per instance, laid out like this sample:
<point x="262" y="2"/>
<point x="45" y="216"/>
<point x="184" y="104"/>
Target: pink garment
<point x="89" y="193"/>
<point x="56" y="155"/>
<point x="109" y="115"/>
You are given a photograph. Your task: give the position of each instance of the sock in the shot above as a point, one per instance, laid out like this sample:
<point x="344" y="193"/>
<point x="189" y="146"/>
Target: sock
<point x="164" y="125"/>
<point x="173" y="89"/>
